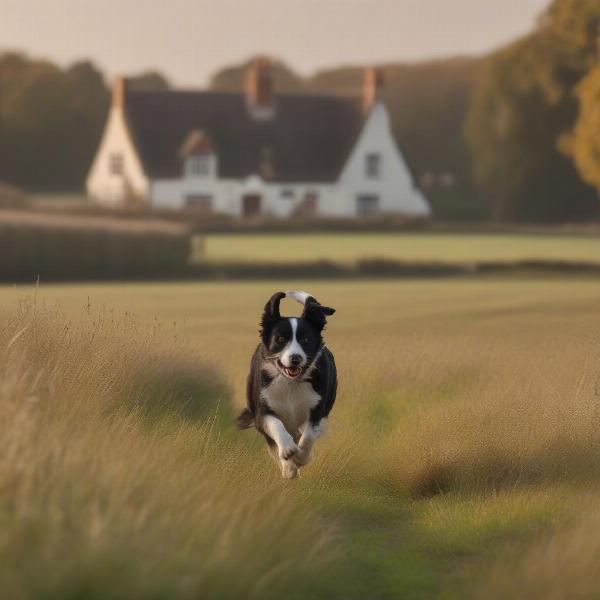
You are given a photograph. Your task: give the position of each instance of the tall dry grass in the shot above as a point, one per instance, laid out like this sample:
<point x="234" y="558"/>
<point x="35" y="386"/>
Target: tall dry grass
<point x="116" y="481"/>
<point x="531" y="416"/>
<point x="560" y="566"/>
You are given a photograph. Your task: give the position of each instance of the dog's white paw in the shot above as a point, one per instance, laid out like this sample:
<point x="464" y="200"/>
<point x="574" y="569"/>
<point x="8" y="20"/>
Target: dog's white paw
<point x="288" y="450"/>
<point x="289" y="470"/>
<point x="302" y="457"/>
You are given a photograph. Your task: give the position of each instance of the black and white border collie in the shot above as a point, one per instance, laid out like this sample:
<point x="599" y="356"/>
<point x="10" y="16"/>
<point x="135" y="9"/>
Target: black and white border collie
<point x="292" y="382"/>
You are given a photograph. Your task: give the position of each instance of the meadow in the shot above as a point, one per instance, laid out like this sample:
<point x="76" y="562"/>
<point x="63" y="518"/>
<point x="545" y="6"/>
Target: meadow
<point x="462" y="460"/>
<point x="421" y="246"/>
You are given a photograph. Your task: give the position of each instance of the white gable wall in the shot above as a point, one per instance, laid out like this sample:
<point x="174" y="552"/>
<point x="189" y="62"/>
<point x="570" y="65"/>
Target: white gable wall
<point x="109" y="189"/>
<point x="394" y="187"/>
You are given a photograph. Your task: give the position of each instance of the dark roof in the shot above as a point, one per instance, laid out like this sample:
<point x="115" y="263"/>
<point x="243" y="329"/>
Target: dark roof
<point x="308" y="138"/>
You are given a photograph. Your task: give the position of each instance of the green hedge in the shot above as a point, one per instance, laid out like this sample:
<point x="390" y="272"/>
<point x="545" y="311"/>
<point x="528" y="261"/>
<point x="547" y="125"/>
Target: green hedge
<point x="51" y="248"/>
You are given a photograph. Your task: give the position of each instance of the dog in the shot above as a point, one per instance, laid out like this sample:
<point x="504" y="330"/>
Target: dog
<point x="292" y="384"/>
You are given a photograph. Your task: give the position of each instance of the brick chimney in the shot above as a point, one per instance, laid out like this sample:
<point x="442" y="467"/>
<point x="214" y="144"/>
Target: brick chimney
<point x="372" y="86"/>
<point x="118" y="92"/>
<point x="259" y="87"/>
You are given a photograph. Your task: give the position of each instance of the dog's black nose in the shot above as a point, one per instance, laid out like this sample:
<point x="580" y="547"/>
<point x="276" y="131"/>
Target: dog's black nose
<point x="295" y="360"/>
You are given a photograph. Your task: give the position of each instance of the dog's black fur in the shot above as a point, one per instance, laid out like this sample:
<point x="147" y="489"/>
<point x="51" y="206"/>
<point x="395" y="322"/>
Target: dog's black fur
<point x="292" y="379"/>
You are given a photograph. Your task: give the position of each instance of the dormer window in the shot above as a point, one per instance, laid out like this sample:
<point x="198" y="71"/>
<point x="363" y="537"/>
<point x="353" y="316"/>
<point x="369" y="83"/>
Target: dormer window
<point x="373" y="165"/>
<point x="198" y="165"/>
<point x="198" y="155"/>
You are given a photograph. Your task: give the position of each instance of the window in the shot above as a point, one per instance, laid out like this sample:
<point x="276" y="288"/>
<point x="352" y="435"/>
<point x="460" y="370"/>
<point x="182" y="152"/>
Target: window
<point x="373" y="165"/>
<point x="199" y="202"/>
<point x="198" y="165"/>
<point x="287" y="193"/>
<point x="116" y="164"/>
<point x="367" y="204"/>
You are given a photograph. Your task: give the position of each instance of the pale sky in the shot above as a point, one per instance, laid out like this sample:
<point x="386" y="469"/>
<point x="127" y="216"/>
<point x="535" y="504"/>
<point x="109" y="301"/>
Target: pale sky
<point x="189" y="39"/>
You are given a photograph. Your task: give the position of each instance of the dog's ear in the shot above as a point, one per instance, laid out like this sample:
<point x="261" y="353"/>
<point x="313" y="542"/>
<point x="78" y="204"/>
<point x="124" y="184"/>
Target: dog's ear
<point x="316" y="314"/>
<point x="270" y="316"/>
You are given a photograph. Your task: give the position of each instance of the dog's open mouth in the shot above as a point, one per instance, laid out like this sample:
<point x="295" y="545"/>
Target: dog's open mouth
<point x="290" y="372"/>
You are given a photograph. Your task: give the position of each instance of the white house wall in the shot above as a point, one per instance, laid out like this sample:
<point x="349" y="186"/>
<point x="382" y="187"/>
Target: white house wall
<point x="394" y="187"/>
<point x="227" y="194"/>
<point x="278" y="205"/>
<point x="172" y="193"/>
<point x="105" y="187"/>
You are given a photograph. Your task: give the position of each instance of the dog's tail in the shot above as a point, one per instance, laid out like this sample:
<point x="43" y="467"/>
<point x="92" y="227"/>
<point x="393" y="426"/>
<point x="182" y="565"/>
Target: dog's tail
<point x="245" y="419"/>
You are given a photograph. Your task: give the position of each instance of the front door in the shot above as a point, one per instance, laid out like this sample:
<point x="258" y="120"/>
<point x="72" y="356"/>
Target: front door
<point x="251" y="205"/>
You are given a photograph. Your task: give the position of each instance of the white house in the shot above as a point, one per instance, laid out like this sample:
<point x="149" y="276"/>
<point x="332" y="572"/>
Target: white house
<point x="254" y="153"/>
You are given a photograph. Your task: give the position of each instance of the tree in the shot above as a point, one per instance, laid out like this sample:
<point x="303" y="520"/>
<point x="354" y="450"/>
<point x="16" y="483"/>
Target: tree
<point x="524" y="109"/>
<point x="148" y="81"/>
<point x="574" y="25"/>
<point x="585" y="146"/>
<point x="50" y="121"/>
<point x="232" y="79"/>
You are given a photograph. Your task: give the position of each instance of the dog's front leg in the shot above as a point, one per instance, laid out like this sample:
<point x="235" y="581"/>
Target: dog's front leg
<point x="310" y="433"/>
<point x="286" y="447"/>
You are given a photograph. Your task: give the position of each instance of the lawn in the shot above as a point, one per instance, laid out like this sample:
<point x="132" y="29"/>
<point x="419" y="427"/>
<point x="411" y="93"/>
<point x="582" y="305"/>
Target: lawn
<point x="417" y="246"/>
<point x="463" y="458"/>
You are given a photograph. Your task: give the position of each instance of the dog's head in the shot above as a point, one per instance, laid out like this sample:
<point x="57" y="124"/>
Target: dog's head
<point x="292" y="343"/>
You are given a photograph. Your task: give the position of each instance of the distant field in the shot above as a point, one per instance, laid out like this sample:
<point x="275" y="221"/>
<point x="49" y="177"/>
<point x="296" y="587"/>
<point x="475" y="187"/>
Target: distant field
<point x="450" y="247"/>
<point x="59" y="201"/>
<point x="462" y="461"/>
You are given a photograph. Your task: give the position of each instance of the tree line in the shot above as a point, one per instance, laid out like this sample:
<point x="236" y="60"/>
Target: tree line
<point x="533" y="125"/>
<point x="51" y="120"/>
<point x="514" y="135"/>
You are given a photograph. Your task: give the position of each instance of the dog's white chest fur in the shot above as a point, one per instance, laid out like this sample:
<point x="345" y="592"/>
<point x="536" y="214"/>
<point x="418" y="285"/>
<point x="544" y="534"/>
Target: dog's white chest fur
<point x="291" y="401"/>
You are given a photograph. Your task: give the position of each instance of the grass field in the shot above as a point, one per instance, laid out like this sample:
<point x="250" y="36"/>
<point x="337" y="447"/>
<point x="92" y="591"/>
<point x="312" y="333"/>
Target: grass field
<point x="463" y="458"/>
<point x="414" y="246"/>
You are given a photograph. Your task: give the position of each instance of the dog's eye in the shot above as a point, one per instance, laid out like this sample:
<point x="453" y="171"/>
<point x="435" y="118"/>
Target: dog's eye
<point x="280" y="339"/>
<point x="304" y="340"/>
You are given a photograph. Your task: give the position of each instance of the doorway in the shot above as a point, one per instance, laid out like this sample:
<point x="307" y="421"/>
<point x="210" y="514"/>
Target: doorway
<point x="251" y="205"/>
